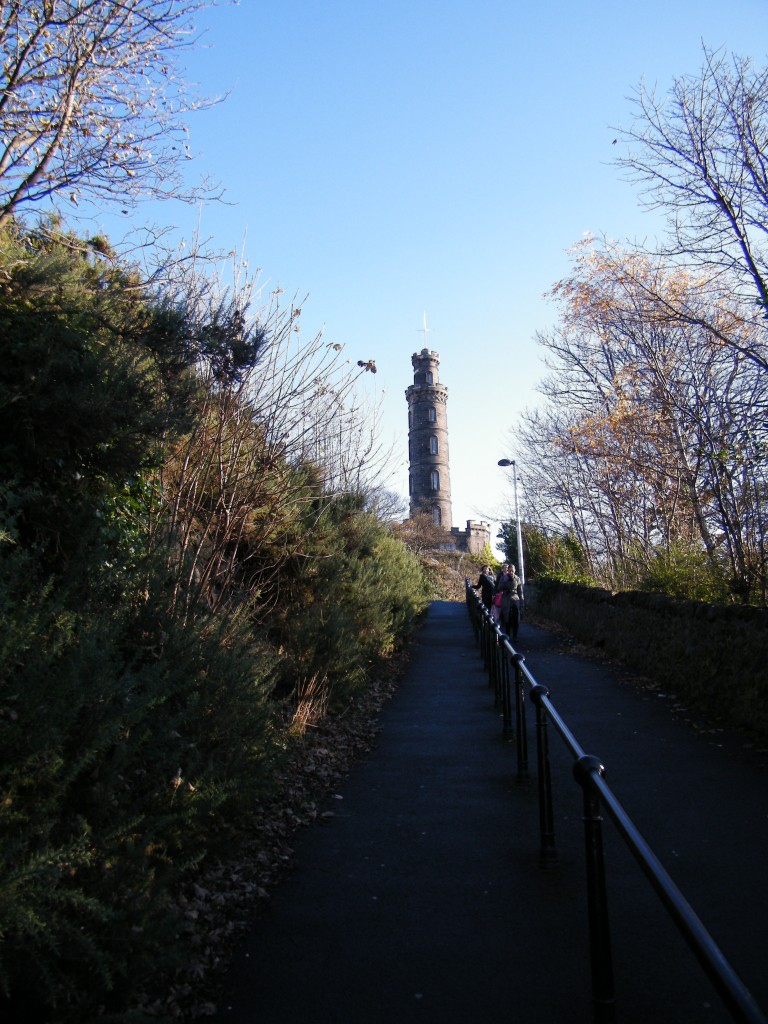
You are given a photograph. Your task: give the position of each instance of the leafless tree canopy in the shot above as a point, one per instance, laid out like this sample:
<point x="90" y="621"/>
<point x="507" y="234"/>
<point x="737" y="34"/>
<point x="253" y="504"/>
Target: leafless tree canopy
<point x="93" y="103"/>
<point x="288" y="428"/>
<point x="652" y="441"/>
<point x="653" y="431"/>
<point x="700" y="152"/>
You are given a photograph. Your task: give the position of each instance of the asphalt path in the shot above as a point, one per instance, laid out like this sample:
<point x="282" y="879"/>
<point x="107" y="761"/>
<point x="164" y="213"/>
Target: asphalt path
<point x="422" y="900"/>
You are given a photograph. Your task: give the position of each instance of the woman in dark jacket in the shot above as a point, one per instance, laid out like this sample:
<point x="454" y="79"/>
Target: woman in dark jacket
<point x="485" y="584"/>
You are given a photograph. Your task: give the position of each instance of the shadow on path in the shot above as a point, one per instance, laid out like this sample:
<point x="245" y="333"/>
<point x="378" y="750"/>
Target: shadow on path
<point x="421" y="900"/>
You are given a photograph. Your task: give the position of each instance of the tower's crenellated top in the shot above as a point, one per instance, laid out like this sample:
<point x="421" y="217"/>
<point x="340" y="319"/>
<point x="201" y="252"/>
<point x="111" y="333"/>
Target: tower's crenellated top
<point x="425" y="353"/>
<point x="425" y="367"/>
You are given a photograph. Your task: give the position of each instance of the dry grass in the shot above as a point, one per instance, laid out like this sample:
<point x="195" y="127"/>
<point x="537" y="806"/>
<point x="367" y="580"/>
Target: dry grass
<point x="310" y="704"/>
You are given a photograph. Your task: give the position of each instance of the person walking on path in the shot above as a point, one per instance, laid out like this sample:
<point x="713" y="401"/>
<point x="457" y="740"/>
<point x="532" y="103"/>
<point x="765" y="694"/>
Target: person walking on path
<point x="511" y="602"/>
<point x="502" y="576"/>
<point x="486" y="585"/>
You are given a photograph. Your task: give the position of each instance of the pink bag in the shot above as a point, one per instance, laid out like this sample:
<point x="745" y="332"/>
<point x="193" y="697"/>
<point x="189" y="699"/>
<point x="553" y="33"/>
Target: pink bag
<point x="497" y="599"/>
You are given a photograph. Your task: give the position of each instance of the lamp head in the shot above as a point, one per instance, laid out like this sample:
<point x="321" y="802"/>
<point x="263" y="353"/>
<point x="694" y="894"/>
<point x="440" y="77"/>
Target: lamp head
<point x="506" y="462"/>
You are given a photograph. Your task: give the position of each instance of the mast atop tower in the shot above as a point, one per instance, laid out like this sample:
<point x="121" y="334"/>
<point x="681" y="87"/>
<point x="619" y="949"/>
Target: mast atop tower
<point x="425" y="330"/>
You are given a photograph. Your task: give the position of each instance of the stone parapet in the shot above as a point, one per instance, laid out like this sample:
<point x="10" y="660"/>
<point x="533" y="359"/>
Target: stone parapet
<point x="713" y="656"/>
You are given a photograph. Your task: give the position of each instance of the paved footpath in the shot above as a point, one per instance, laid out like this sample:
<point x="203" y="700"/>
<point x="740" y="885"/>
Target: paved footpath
<point x="422" y="902"/>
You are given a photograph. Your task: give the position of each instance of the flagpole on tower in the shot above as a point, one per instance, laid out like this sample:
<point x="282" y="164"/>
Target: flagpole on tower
<point x="425" y="330"/>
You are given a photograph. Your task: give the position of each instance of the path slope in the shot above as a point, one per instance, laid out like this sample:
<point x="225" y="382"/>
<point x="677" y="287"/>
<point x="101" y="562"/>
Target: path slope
<point x="421" y="900"/>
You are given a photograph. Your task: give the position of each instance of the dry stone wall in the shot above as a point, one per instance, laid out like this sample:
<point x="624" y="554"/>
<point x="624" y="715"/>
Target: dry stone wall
<point x="716" y="656"/>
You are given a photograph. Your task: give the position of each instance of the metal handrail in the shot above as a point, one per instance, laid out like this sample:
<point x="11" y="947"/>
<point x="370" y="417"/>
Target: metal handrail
<point x="499" y="656"/>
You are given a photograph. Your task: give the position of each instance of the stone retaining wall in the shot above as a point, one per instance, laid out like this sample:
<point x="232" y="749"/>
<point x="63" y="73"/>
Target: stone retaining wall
<point x="716" y="656"/>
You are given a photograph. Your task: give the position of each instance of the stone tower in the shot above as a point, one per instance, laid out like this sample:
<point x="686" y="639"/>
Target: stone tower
<point x="429" y="479"/>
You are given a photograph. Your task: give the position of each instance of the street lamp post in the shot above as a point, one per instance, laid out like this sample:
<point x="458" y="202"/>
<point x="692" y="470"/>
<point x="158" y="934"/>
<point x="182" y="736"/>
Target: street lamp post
<point x="520" y="563"/>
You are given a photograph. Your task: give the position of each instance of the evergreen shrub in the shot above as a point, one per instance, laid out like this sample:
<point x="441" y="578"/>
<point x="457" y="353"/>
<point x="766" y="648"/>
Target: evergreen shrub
<point x="140" y="714"/>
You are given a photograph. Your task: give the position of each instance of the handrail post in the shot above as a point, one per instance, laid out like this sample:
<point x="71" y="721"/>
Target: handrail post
<point x="493" y="679"/>
<point x="508" y="733"/>
<point x="523" y="776"/>
<point x="473" y="610"/>
<point x="501" y="665"/>
<point x="603" y="996"/>
<point x="547" y="851"/>
<point x="493" y="662"/>
<point x="487" y="638"/>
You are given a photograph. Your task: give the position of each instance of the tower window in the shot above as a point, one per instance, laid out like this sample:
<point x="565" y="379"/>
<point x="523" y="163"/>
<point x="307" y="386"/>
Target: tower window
<point x="430" y="378"/>
<point x="432" y="414"/>
<point x="433" y="445"/>
<point x="434" y="480"/>
<point x="437" y="515"/>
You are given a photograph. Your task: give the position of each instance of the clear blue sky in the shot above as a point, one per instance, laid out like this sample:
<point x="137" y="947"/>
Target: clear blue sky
<point x="388" y="159"/>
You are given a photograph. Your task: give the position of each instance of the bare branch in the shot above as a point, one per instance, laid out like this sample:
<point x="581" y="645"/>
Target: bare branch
<point x="93" y="104"/>
<point x="699" y="153"/>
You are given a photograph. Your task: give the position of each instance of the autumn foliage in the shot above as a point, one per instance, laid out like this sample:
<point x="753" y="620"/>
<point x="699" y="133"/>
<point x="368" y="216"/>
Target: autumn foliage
<point x="650" y="448"/>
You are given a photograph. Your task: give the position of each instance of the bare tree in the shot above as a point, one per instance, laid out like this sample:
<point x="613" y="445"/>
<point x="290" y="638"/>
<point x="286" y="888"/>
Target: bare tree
<point x="388" y="506"/>
<point x="421" y="533"/>
<point x="642" y="445"/>
<point x="93" y="103"/>
<point x="700" y="153"/>
<point x="310" y="397"/>
<point x="279" y="430"/>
